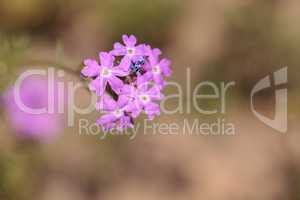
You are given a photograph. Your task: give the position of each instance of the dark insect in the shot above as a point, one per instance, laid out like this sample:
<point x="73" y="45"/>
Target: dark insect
<point x="137" y="66"/>
<point x="134" y="68"/>
<point x="141" y="61"/>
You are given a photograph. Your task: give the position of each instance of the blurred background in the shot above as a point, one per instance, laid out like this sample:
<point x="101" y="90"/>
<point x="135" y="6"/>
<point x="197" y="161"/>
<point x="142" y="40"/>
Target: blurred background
<point x="228" y="40"/>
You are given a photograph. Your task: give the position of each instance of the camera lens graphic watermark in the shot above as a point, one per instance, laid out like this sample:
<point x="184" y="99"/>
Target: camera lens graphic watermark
<point x="279" y="122"/>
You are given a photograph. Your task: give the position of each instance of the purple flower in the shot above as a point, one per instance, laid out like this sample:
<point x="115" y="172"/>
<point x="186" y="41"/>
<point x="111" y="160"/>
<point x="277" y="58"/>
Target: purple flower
<point x="104" y="73"/>
<point x="157" y="69"/>
<point x="136" y="82"/>
<point x="130" y="51"/>
<point x="142" y="98"/>
<point x="115" y="113"/>
<point x="91" y="69"/>
<point x="34" y="95"/>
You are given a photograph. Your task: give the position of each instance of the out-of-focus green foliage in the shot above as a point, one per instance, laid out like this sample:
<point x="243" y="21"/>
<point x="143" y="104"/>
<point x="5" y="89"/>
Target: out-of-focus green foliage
<point x="14" y="181"/>
<point x="12" y="50"/>
<point x="151" y="21"/>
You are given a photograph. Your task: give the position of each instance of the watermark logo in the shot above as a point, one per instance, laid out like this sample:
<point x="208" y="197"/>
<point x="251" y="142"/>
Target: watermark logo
<point x="279" y="122"/>
<point x="197" y="98"/>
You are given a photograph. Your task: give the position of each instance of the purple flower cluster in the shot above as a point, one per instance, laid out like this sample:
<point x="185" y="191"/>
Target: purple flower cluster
<point x="129" y="80"/>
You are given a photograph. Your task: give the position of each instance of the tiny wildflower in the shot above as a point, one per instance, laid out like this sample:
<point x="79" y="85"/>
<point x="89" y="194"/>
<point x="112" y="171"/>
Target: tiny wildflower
<point x="128" y="80"/>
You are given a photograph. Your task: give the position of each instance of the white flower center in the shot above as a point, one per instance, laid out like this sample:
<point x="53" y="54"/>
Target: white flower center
<point x="106" y="72"/>
<point x="130" y="51"/>
<point x="156" y="69"/>
<point x="118" y="113"/>
<point x="144" y="98"/>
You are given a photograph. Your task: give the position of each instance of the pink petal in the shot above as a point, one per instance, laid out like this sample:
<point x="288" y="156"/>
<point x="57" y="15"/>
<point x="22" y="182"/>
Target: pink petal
<point x="164" y="65"/>
<point x="98" y="85"/>
<point x="116" y="84"/>
<point x="129" y="41"/>
<point x="91" y="68"/>
<point x="158" y="79"/>
<point x="152" y="109"/>
<point x="140" y="49"/>
<point x="148" y="76"/>
<point x="134" y="108"/>
<point x="107" y="103"/>
<point x="117" y="71"/>
<point x="142" y="84"/>
<point x="156" y="52"/>
<point x="125" y="64"/>
<point x="122" y="101"/>
<point x="154" y="56"/>
<point x="105" y="119"/>
<point x="106" y="59"/>
<point x="118" y="50"/>
<point x="155" y="93"/>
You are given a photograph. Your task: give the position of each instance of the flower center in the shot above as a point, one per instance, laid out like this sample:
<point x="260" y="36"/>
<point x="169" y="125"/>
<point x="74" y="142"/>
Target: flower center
<point x="118" y="113"/>
<point x="156" y="69"/>
<point x="106" y="72"/>
<point x="144" y="98"/>
<point x="130" y="51"/>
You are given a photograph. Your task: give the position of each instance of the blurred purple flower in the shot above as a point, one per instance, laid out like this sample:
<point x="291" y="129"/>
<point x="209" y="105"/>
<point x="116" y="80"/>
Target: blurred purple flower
<point x="34" y="95"/>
